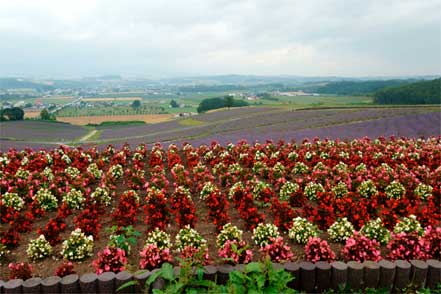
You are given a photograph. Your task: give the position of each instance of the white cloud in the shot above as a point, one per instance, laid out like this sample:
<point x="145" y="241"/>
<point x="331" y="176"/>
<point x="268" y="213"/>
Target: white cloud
<point x="52" y="37"/>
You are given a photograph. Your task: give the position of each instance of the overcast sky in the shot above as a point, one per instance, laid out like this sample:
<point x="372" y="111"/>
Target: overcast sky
<point x="202" y="37"/>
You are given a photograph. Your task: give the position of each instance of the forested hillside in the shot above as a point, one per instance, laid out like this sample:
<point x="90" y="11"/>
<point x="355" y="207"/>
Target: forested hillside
<point x="425" y="92"/>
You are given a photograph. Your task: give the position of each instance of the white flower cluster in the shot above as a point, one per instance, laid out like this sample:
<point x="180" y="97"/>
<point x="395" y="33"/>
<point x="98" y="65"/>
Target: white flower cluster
<point x="312" y="189"/>
<point x="409" y="225"/>
<point x="39" y="248"/>
<point x="375" y="230"/>
<point x="319" y="167"/>
<point x="10" y="199"/>
<point x="259" y="156"/>
<point x="340" y="190"/>
<point x="73" y="172"/>
<point x="228" y="232"/>
<point x="219" y="168"/>
<point x="278" y="170"/>
<point x="74" y="199"/>
<point x="183" y="190"/>
<point x="395" y="190"/>
<point x="293" y="156"/>
<point x="302" y="230"/>
<point x="361" y="167"/>
<point x="132" y="193"/>
<point x="300" y="168"/>
<point x="178" y="168"/>
<point x="237" y="186"/>
<point x="94" y="171"/>
<point x="343" y="154"/>
<point x="78" y="246"/>
<point x="259" y="186"/>
<point x="24" y="161"/>
<point x="137" y="156"/>
<point x="324" y="155"/>
<point x="263" y="232"/>
<point x="235" y="168"/>
<point x="116" y="171"/>
<point x="367" y="189"/>
<point x="46" y="199"/>
<point x="47" y="172"/>
<point x="423" y="191"/>
<point x="101" y="195"/>
<point x="309" y="155"/>
<point x="287" y="190"/>
<point x="4" y="161"/>
<point x="159" y="238"/>
<point x="189" y="237"/>
<point x="22" y="173"/>
<point x="209" y="155"/>
<point x="342" y="167"/>
<point x="66" y="159"/>
<point x="208" y="188"/>
<point x="260" y="167"/>
<point x="341" y="230"/>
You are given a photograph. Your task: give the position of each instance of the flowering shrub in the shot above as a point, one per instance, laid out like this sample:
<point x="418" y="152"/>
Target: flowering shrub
<point x="319" y="250"/>
<point x="208" y="188"/>
<point x="263" y="233"/>
<point x="367" y="189"/>
<point x="229" y="232"/>
<point x="88" y="221"/>
<point x="360" y="248"/>
<point x="423" y="191"/>
<point x="66" y="268"/>
<point x="95" y="171"/>
<point x="188" y="237"/>
<point x="22" y="270"/>
<point x="312" y="189"/>
<point x="46" y="199"/>
<point x="53" y="229"/>
<point x="408" y="225"/>
<point x="157" y="213"/>
<point x="302" y="230"/>
<point x="195" y="256"/>
<point x="408" y="246"/>
<point x="341" y="230"/>
<point x="433" y="237"/>
<point x="110" y="259"/>
<point x="73" y="172"/>
<point x="159" y="238"/>
<point x="152" y="256"/>
<point x="39" y="248"/>
<point x="101" y="195"/>
<point x="78" y="246"/>
<point x="12" y="200"/>
<point x="10" y="238"/>
<point x="115" y="171"/>
<point x="340" y="190"/>
<point x="235" y="252"/>
<point x="74" y="199"/>
<point x="277" y="250"/>
<point x="395" y="190"/>
<point x="287" y="190"/>
<point x="375" y="230"/>
<point x="125" y="214"/>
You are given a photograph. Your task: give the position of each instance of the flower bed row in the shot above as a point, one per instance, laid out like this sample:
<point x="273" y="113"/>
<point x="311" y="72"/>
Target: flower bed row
<point x="361" y="193"/>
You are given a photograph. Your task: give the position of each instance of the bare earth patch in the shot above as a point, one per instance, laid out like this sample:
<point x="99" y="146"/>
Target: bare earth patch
<point x="84" y="120"/>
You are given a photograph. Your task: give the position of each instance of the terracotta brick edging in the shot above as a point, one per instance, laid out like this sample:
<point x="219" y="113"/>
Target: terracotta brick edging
<point x="309" y="277"/>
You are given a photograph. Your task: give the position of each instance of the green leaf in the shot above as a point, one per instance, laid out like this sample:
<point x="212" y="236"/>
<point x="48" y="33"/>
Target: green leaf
<point x="152" y="278"/>
<point x="167" y="272"/>
<point x="126" y="285"/>
<point x="253" y="267"/>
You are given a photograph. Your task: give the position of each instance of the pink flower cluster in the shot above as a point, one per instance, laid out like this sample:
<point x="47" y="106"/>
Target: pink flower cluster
<point x="236" y="252"/>
<point x="152" y="257"/>
<point x="22" y="270"/>
<point x="110" y="259"/>
<point x="361" y="248"/>
<point x="408" y="246"/>
<point x="277" y="250"/>
<point x="319" y="250"/>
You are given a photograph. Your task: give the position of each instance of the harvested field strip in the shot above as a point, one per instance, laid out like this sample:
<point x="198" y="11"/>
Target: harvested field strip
<point x="84" y="120"/>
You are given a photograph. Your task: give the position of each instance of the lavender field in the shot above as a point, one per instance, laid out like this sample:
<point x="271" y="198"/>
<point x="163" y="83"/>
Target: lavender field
<point x="251" y="124"/>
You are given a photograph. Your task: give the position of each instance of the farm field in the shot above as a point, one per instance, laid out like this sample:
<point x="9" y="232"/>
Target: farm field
<point x="60" y="205"/>
<point x="84" y="120"/>
<point x="225" y="126"/>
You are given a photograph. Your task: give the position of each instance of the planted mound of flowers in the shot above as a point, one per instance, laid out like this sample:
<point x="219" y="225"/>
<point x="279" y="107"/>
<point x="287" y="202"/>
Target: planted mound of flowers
<point x="70" y="210"/>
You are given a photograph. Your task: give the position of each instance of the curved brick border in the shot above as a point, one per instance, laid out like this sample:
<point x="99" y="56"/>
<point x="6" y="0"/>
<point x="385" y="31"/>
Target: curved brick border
<point x="309" y="277"/>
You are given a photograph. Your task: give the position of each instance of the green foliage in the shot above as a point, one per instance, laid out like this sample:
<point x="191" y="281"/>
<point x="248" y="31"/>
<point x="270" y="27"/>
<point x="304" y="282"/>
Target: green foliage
<point x="45" y="115"/>
<point x="174" y="104"/>
<point x="14" y="113"/>
<point x="425" y="92"/>
<point x="260" y="278"/>
<point x="356" y="87"/>
<point x="220" y="102"/>
<point x="123" y="237"/>
<point x="136" y="104"/>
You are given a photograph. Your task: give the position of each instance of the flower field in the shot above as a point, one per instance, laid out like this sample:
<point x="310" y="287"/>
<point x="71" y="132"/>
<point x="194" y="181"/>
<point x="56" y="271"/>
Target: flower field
<point x="79" y="210"/>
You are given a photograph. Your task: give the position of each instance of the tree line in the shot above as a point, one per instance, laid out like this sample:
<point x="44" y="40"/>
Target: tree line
<point x="220" y="102"/>
<point x="424" y="92"/>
